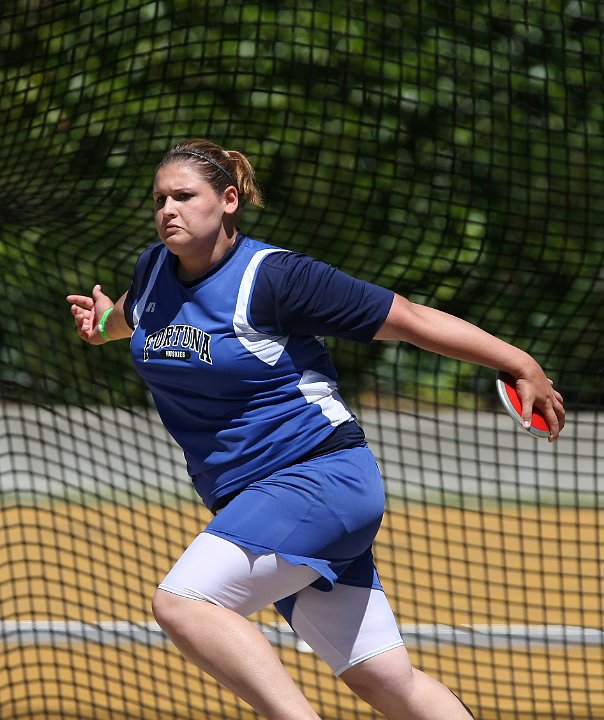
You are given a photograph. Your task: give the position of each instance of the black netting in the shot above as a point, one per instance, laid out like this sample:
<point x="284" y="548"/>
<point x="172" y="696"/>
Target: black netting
<point x="451" y="151"/>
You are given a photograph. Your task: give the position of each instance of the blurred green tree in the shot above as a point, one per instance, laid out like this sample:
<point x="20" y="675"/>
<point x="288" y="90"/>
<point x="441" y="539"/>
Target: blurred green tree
<point x="450" y="151"/>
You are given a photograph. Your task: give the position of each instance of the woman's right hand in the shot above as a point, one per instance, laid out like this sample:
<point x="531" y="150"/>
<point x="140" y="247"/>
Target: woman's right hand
<point x="87" y="312"/>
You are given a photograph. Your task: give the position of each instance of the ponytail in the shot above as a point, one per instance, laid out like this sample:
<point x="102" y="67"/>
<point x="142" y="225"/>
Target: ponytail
<point x="244" y="173"/>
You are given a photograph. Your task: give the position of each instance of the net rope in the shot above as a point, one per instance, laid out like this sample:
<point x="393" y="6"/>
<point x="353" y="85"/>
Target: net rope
<point x="453" y="152"/>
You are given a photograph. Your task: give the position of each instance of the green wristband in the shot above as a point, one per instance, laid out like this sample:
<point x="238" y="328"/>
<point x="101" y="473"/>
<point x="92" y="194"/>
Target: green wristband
<point x="102" y="322"/>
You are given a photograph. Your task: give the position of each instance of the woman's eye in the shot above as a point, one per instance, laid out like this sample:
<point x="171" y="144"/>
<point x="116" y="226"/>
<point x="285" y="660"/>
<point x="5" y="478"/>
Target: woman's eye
<point x="159" y="201"/>
<point x="184" y="196"/>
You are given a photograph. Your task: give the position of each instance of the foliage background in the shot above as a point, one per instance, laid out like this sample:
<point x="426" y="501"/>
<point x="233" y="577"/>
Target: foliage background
<point x="451" y="151"/>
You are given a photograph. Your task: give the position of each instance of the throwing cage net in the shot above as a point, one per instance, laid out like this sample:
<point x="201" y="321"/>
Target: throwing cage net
<point x="453" y="152"/>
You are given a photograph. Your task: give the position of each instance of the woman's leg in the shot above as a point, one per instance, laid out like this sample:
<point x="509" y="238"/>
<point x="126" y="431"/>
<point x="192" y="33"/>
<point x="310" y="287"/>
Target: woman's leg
<point x="234" y="652"/>
<point x="392" y="686"/>
<point x="201" y="606"/>
<point x="354" y="630"/>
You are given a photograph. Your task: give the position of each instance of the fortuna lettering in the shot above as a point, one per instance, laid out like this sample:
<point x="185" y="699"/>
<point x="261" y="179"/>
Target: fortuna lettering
<point x="184" y="337"/>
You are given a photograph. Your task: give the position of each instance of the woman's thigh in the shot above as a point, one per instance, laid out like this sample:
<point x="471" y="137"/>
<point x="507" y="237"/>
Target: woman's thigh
<point x="219" y="571"/>
<point x="345" y="626"/>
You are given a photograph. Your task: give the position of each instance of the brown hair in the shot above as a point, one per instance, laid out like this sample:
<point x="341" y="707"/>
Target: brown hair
<point x="218" y="167"/>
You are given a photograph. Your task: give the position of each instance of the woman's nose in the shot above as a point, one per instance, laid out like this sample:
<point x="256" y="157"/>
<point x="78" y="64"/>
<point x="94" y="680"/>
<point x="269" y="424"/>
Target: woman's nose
<point x="169" y="207"/>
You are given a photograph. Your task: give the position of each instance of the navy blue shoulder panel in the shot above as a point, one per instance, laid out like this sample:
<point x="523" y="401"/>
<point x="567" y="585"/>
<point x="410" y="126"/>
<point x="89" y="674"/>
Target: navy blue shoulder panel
<point x="295" y="294"/>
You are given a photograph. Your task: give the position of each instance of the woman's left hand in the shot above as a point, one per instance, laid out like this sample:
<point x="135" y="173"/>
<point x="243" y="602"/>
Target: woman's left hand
<point x="537" y="390"/>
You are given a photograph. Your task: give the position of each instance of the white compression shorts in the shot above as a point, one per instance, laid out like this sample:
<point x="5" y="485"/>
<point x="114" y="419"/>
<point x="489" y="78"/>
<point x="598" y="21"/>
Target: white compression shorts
<point x="344" y="626"/>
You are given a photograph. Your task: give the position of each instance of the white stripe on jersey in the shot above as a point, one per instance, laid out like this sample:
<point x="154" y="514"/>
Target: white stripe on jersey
<point x="267" y="348"/>
<point x="323" y="391"/>
<point x="142" y="302"/>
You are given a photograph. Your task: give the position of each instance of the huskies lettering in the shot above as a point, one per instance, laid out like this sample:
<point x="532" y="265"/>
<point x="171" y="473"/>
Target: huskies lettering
<point x="184" y="337"/>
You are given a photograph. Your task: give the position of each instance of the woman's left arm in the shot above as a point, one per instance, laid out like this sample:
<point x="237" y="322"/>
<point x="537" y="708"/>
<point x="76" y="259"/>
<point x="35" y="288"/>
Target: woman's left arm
<point x="448" y="335"/>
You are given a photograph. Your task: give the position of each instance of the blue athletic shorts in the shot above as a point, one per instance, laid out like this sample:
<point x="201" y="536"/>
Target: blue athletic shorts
<point x="323" y="513"/>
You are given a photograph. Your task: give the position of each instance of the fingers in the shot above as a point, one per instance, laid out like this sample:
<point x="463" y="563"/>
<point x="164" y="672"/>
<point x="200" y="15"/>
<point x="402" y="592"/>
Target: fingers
<point x="83" y="319"/>
<point x="86" y="301"/>
<point x="555" y="416"/>
<point x="82" y="309"/>
<point x="558" y="409"/>
<point x="82" y="300"/>
<point x="552" y="408"/>
<point x="554" y="425"/>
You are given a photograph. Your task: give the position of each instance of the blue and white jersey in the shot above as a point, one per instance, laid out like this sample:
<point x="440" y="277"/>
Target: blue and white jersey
<point x="236" y="361"/>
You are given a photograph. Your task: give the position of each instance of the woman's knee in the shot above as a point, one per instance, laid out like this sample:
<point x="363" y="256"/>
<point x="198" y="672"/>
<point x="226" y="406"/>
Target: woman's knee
<point x="167" y="608"/>
<point x="160" y="606"/>
<point x="388" y="672"/>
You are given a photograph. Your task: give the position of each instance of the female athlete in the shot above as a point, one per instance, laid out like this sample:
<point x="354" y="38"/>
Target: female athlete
<point x="227" y="333"/>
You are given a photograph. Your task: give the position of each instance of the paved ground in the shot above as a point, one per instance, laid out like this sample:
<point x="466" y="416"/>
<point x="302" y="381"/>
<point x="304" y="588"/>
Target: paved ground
<point x="448" y="456"/>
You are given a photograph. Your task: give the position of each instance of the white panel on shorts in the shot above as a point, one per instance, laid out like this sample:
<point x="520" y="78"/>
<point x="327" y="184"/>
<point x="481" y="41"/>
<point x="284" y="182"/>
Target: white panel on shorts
<point x="347" y="625"/>
<point x="344" y="626"/>
<point x="219" y="571"/>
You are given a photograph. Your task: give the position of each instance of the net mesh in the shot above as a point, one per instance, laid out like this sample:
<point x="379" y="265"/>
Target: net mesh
<point x="450" y="151"/>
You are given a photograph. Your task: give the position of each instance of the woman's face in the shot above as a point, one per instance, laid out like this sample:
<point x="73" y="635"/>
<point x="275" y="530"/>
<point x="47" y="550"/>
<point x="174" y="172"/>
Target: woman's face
<point x="189" y="215"/>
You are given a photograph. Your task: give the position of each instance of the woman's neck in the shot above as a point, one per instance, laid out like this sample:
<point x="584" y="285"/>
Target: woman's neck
<point x="192" y="268"/>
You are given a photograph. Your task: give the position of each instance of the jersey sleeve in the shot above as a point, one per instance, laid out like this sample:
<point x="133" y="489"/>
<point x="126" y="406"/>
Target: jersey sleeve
<point x="295" y="294"/>
<point x="140" y="276"/>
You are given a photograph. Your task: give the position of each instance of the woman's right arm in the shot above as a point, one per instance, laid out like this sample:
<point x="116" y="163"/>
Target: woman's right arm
<point x="87" y="312"/>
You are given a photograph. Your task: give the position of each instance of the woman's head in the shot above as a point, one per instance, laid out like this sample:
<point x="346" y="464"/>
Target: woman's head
<point x="218" y="167"/>
<point x="198" y="191"/>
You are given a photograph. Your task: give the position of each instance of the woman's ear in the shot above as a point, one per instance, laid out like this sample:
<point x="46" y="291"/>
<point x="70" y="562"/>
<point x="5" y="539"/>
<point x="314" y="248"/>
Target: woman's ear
<point x="231" y="200"/>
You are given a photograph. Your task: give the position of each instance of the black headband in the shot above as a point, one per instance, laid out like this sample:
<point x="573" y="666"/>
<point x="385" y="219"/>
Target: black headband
<point x="201" y="156"/>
